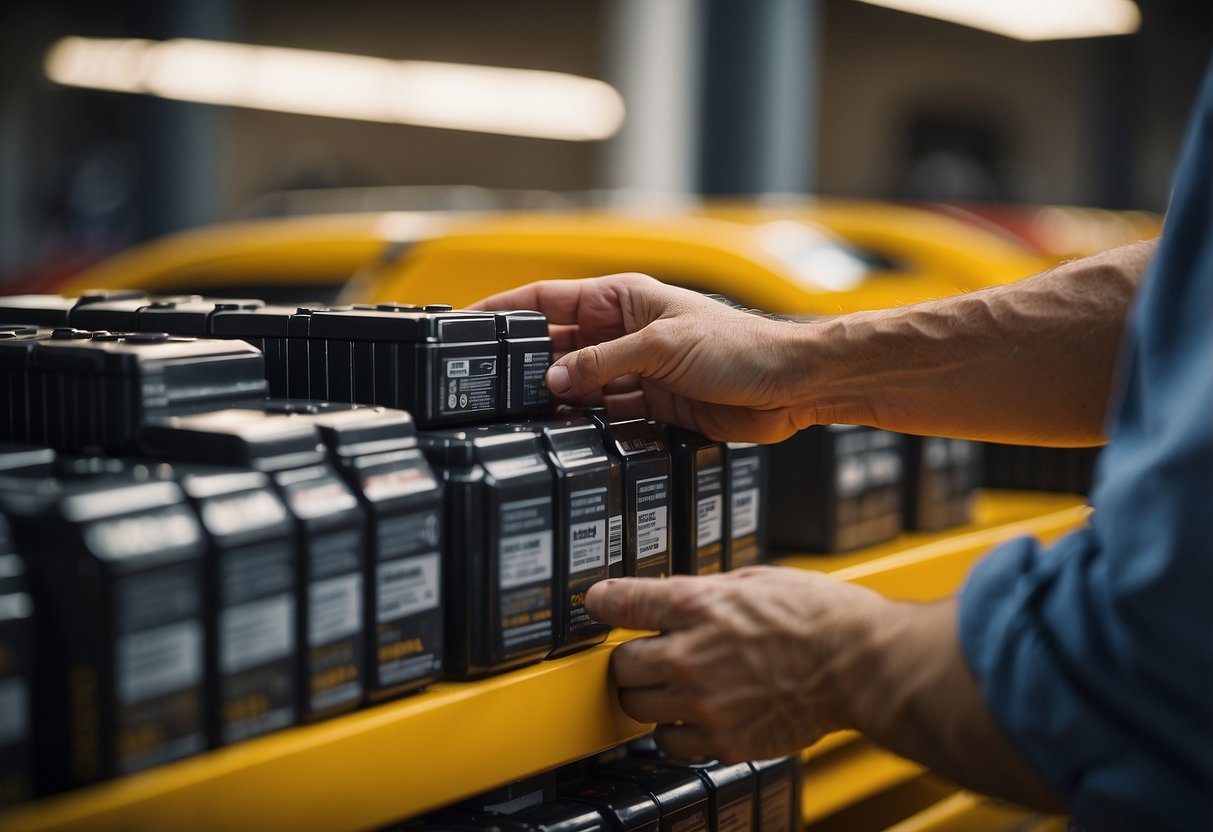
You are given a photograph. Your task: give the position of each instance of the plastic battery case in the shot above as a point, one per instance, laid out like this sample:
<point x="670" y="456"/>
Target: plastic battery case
<point x="626" y="807"/>
<point x="679" y="792"/>
<point x="746" y="465"/>
<point x="778" y="808"/>
<point x="699" y="502"/>
<point x="940" y="481"/>
<point x="16" y="675"/>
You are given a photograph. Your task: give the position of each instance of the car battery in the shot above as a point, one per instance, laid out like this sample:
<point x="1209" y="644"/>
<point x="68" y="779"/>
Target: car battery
<point x="679" y="792"/>
<point x="328" y="524"/>
<point x="645" y="464"/>
<point x="16" y="344"/>
<point x="746" y="519"/>
<point x="252" y="654"/>
<point x="731" y="788"/>
<point x="778" y="794"/>
<point x="1031" y="468"/>
<point x="439" y="365"/>
<point x="119" y="314"/>
<point x="46" y="421"/>
<point x="52" y="311"/>
<point x="698" y="502"/>
<point x="16" y="675"/>
<point x="375" y="450"/>
<point x="190" y="316"/>
<point x="500" y="550"/>
<point x="524" y="356"/>
<point x="21" y="460"/>
<point x="583" y="480"/>
<point x="940" y="482"/>
<point x="116" y="564"/>
<point x="267" y="328"/>
<point x="97" y="392"/>
<point x="624" y="806"/>
<point x="835" y="488"/>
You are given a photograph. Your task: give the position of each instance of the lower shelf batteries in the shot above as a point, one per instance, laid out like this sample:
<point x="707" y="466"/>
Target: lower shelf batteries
<point x="408" y="757"/>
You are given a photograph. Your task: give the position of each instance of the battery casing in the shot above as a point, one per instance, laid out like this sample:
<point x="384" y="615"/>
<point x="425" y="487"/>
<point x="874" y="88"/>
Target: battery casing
<point x="500" y="549"/>
<point x="18" y="459"/>
<point x="645" y="466"/>
<point x="328" y="524"/>
<point x="679" y="792"/>
<point x="52" y="311"/>
<point x="940" y="482"/>
<point x="778" y="808"/>
<point x="189" y="317"/>
<point x="16" y="676"/>
<point x="267" y="328"/>
<point x="116" y="566"/>
<point x="835" y="488"/>
<point x="525" y="355"/>
<point x="624" y="806"/>
<point x="119" y="313"/>
<point x="17" y="411"/>
<point x="252" y="655"/>
<point x="375" y="450"/>
<point x="699" y="502"/>
<point x="746" y="517"/>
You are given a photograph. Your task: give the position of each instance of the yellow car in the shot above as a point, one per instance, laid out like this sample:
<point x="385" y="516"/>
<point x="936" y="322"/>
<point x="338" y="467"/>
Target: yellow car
<point x="815" y="257"/>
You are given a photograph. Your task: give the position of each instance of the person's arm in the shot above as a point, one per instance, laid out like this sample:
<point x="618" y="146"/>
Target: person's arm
<point x="1031" y="361"/>
<point x="764" y="661"/>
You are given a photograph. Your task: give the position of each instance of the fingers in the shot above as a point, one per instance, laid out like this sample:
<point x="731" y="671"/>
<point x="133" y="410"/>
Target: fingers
<point x="640" y="663"/>
<point x="654" y="704"/>
<point x="588" y="369"/>
<point x="557" y="299"/>
<point x="639" y="603"/>
<point x="683" y="742"/>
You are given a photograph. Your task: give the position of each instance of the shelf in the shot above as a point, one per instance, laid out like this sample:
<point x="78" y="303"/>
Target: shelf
<point x="454" y="740"/>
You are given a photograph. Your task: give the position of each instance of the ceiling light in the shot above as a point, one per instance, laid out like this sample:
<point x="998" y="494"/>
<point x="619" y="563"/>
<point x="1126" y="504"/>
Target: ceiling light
<point x="1030" y="19"/>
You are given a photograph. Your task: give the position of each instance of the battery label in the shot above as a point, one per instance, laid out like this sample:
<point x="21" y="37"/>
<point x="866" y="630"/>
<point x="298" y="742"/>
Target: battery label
<point x="400" y="483"/>
<point x="775" y="808"/>
<point x="745" y="512"/>
<point x="710" y="506"/>
<point x="615" y="540"/>
<point x="469" y="383"/>
<point x="334" y="609"/>
<point x="652" y="516"/>
<point x="737" y="816"/>
<point x="14" y="711"/>
<point x="587" y="529"/>
<point x="407" y="586"/>
<point x="408" y="534"/>
<point x="256" y="633"/>
<point x="243" y="513"/>
<point x="696" y="821"/>
<point x="534" y="370"/>
<point x="525" y="550"/>
<point x="154" y="662"/>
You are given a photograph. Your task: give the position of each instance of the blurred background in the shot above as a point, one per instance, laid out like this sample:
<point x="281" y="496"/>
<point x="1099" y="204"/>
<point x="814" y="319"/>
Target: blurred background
<point x="702" y="98"/>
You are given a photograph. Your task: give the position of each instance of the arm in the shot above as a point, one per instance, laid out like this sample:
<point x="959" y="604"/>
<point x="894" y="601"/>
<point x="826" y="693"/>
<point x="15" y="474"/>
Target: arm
<point x="764" y="661"/>
<point x="1031" y="361"/>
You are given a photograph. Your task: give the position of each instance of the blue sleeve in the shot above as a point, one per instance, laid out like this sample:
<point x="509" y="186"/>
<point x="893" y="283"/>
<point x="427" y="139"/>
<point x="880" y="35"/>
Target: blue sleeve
<point x="1096" y="655"/>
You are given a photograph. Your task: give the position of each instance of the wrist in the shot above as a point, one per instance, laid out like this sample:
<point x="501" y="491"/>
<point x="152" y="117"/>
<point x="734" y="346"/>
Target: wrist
<point x="828" y="382"/>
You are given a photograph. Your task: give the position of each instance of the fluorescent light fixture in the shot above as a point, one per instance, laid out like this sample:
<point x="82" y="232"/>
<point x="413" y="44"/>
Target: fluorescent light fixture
<point x="1030" y="19"/>
<point x="515" y="102"/>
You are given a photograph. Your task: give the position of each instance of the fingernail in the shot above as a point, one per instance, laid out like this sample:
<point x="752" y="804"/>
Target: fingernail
<point x="558" y="380"/>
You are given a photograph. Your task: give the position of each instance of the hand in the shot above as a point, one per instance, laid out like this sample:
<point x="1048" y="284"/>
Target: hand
<point x="748" y="664"/>
<point x="649" y="350"/>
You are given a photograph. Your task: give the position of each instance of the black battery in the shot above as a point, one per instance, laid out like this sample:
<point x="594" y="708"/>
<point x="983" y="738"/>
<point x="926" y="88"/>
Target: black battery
<point x="525" y="354"/>
<point x="16" y="676"/>
<point x="328" y="524"/>
<point x="679" y="792"/>
<point x="555" y="816"/>
<point x="778" y="794"/>
<point x="189" y="316"/>
<point x="116" y="564"/>
<point x="47" y="419"/>
<point x="252" y="655"/>
<point x="18" y="459"/>
<point x="441" y="366"/>
<point x="16" y="344"/>
<point x="583" y="479"/>
<point x="731" y="788"/>
<point x="267" y="328"/>
<point x="940" y="482"/>
<point x="699" y="501"/>
<point x="119" y="312"/>
<point x="835" y="488"/>
<point x="746" y="518"/>
<point x="98" y="392"/>
<point x="375" y="450"/>
<point x="645" y="464"/>
<point x="500" y="550"/>
<point x="624" y="806"/>
<point x="52" y="311"/>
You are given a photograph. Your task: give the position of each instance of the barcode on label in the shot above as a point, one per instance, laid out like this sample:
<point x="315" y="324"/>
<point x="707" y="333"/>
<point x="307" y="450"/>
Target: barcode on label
<point x="615" y="540"/>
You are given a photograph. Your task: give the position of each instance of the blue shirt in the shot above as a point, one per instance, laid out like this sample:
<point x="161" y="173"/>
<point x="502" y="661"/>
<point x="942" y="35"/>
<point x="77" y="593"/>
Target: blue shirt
<point x="1095" y="656"/>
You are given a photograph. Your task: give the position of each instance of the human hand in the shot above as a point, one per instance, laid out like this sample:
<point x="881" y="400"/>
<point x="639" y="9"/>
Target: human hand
<point x="748" y="664"/>
<point x="644" y="349"/>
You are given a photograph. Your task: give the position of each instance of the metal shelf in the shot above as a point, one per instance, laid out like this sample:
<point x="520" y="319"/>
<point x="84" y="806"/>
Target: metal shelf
<point x="406" y="757"/>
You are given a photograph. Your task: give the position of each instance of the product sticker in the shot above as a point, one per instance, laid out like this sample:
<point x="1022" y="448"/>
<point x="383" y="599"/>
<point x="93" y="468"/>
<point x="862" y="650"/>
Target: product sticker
<point x="775" y="810"/>
<point x="334" y="609"/>
<point x="615" y="540"/>
<point x="404" y="535"/>
<point x="154" y="662"/>
<point x="470" y="383"/>
<point x="745" y="512"/>
<point x="737" y="816"/>
<point x="256" y="633"/>
<point x="696" y="821"/>
<point x="587" y="529"/>
<point x="652" y="516"/>
<point x="14" y="711"/>
<point x="710" y="505"/>
<point x="407" y="586"/>
<point x="534" y="370"/>
<point x="525" y="549"/>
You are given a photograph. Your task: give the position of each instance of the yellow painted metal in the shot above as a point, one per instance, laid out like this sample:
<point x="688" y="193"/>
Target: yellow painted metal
<point x="403" y="758"/>
<point x="968" y="812"/>
<point x="848" y="774"/>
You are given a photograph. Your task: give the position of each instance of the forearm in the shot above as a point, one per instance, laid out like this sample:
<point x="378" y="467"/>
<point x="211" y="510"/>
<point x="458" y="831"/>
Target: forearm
<point x="908" y="688"/>
<point x="1030" y="362"/>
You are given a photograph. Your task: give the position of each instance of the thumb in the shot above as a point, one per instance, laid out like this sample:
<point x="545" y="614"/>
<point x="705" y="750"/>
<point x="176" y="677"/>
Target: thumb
<point x="635" y="603"/>
<point x="591" y="368"/>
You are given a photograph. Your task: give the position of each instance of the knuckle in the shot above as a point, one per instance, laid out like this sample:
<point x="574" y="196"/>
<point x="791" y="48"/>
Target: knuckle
<point x="591" y="363"/>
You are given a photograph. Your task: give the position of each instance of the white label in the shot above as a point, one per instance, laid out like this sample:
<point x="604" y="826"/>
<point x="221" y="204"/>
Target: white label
<point x="587" y="545"/>
<point x="255" y="633"/>
<point x="14" y="711"/>
<point x="651" y="529"/>
<point x="334" y="609"/>
<point x="237" y="514"/>
<point x="525" y="558"/>
<point x="158" y="661"/>
<point x="745" y="512"/>
<point x="851" y="476"/>
<point x="407" y="586"/>
<point x="458" y="368"/>
<point x="615" y="540"/>
<point x="711" y="517"/>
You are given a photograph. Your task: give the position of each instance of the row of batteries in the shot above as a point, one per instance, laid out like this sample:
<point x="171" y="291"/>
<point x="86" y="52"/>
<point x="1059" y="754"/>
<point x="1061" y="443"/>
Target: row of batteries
<point x="186" y="563"/>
